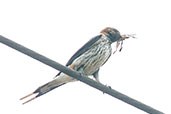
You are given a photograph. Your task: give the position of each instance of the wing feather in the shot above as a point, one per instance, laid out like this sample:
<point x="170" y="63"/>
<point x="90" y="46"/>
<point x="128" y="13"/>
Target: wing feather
<point x="82" y="50"/>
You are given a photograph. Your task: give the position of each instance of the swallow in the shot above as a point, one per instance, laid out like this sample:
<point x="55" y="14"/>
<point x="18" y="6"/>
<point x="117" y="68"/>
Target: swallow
<point x="87" y="60"/>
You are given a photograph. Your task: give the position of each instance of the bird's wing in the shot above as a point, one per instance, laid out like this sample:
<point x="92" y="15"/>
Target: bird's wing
<point x="83" y="49"/>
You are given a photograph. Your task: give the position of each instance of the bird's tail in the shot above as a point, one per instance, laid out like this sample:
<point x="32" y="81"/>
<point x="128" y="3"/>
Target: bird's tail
<point x="48" y="87"/>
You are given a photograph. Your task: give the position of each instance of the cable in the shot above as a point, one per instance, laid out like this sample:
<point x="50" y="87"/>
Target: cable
<point x="78" y="76"/>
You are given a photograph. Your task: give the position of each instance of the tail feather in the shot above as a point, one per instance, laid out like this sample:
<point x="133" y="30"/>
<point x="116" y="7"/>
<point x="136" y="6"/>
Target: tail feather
<point x="48" y="87"/>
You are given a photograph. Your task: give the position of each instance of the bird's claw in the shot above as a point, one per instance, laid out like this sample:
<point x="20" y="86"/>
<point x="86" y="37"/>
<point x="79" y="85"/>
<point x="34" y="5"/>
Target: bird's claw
<point x="108" y="87"/>
<point x="81" y="74"/>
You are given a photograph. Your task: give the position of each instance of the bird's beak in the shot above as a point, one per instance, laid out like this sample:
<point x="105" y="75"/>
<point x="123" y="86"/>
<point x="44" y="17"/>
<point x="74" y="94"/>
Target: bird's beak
<point x="126" y="36"/>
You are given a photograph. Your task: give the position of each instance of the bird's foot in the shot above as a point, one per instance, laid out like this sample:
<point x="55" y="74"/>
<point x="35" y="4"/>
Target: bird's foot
<point x="108" y="87"/>
<point x="82" y="74"/>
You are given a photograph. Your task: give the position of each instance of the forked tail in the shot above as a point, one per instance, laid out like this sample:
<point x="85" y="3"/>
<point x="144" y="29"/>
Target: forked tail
<point x="61" y="80"/>
<point x="43" y="90"/>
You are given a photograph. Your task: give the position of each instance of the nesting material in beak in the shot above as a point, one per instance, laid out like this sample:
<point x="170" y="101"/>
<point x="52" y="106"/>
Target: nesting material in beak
<point x="126" y="36"/>
<point x="123" y="37"/>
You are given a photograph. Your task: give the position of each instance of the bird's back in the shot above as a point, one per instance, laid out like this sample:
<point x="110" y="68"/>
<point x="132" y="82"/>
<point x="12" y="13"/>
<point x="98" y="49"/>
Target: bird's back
<point x="95" y="56"/>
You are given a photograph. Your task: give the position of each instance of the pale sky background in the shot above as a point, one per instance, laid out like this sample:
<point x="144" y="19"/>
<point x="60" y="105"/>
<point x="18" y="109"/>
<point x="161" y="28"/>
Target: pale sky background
<point x="57" y="29"/>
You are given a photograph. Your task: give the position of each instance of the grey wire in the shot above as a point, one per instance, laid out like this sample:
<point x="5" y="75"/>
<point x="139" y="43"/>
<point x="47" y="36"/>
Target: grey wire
<point x="78" y="76"/>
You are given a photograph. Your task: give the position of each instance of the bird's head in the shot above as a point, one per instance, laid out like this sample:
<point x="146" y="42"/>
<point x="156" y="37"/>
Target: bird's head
<point x="115" y="36"/>
<point x="111" y="33"/>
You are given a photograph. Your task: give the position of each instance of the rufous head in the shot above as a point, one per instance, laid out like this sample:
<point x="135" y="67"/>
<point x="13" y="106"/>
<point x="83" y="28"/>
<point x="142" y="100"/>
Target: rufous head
<point x="112" y="33"/>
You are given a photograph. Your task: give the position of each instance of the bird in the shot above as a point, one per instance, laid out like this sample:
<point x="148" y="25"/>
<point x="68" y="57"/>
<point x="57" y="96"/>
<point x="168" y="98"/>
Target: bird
<point x="87" y="60"/>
